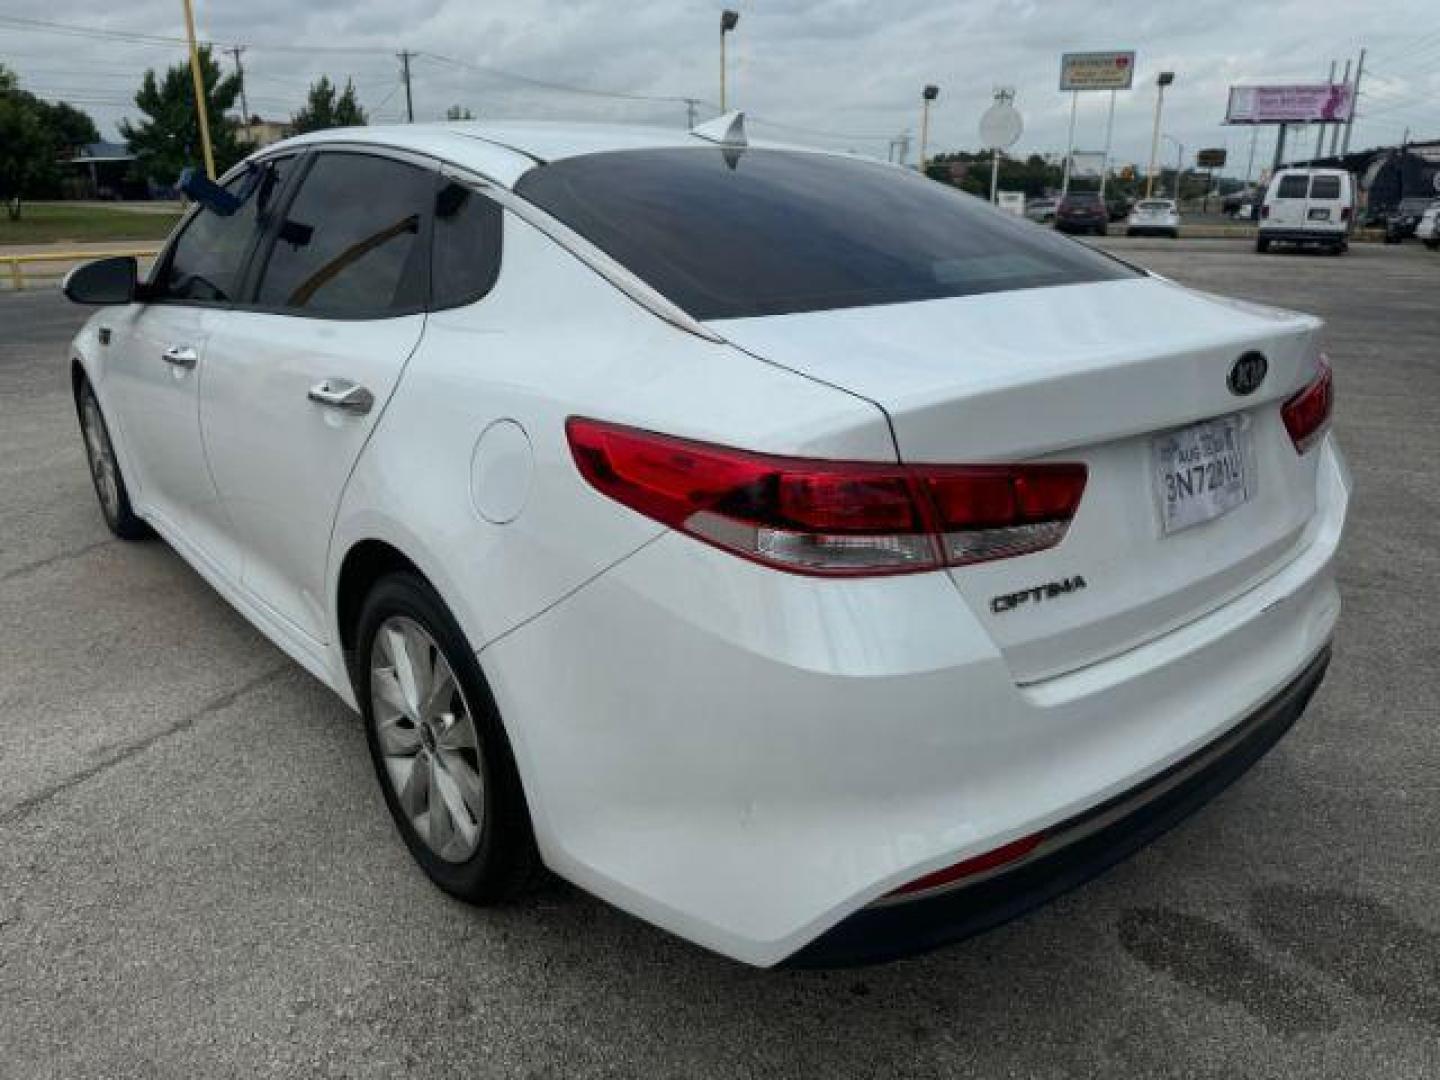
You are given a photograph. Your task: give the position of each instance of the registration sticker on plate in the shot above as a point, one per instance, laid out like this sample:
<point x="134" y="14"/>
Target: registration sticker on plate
<point x="1202" y="471"/>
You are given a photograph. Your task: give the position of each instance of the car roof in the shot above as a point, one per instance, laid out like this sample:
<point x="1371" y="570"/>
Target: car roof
<point x="504" y="150"/>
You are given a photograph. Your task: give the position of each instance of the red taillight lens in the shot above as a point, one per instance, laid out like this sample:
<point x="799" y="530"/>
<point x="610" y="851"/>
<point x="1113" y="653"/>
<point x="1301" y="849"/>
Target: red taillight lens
<point x="1345" y="213"/>
<point x="1264" y="211"/>
<point x="823" y="517"/>
<point x="1011" y="852"/>
<point x="1307" y="414"/>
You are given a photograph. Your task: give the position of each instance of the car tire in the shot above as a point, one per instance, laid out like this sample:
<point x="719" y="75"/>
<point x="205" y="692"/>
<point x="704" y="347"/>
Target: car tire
<point x="1130" y="232"/>
<point x="105" y="474"/>
<point x="1174" y="234"/>
<point x="1261" y="245"/>
<point x="440" y="752"/>
<point x="1432" y="244"/>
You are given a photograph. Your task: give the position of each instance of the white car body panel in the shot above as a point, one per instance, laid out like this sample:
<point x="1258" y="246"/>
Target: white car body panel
<point x="741" y="755"/>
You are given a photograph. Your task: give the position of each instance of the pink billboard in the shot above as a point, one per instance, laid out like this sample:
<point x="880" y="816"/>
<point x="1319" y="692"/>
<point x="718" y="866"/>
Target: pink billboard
<point x="1307" y="104"/>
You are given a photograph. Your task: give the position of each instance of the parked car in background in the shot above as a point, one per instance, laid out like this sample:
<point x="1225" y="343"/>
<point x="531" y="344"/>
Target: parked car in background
<point x="1119" y="207"/>
<point x="1154" y="217"/>
<point x="737" y="595"/>
<point x="1082" y="212"/>
<point x="1241" y="204"/>
<point x="1307" y="207"/>
<point x="1428" y="231"/>
<point x="1041" y="209"/>
<point x="1401" y="223"/>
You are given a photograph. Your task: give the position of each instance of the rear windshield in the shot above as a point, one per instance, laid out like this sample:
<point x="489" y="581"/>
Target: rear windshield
<point x="1152" y="205"/>
<point x="1325" y="187"/>
<point x="1083" y="198"/>
<point x="728" y="234"/>
<point x="1293" y="187"/>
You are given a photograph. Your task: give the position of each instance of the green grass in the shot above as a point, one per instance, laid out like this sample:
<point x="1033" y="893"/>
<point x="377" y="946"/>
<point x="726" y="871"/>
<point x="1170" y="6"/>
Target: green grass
<point x="55" y="223"/>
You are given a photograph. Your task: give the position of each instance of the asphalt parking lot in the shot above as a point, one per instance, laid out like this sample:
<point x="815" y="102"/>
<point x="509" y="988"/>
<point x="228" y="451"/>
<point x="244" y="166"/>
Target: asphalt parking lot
<point x="198" y="876"/>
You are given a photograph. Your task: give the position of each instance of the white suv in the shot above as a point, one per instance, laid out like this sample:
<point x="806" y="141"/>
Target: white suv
<point x="798" y="553"/>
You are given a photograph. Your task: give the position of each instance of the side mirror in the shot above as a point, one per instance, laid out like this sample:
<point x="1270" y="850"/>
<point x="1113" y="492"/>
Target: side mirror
<point x="104" y="281"/>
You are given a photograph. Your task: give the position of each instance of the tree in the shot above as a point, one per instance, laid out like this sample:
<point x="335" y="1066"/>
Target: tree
<point x="458" y="112"/>
<point x="34" y="136"/>
<point x="23" y="146"/>
<point x="326" y="109"/>
<point x="168" y="139"/>
<point x="69" y="128"/>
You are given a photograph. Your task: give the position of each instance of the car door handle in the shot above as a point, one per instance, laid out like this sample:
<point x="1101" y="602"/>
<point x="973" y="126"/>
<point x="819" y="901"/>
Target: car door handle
<point x="181" y="356"/>
<point x="343" y="395"/>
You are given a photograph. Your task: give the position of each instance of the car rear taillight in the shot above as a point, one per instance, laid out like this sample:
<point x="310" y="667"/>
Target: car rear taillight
<point x="1345" y="213"/>
<point x="1307" y="414"/>
<point x="1264" y="211"/>
<point x="830" y="517"/>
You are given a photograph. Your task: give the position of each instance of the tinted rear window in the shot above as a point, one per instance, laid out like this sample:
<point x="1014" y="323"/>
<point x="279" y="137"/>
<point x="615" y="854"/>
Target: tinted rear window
<point x="1325" y="187"/>
<point x="726" y="234"/>
<point x="1293" y="187"/>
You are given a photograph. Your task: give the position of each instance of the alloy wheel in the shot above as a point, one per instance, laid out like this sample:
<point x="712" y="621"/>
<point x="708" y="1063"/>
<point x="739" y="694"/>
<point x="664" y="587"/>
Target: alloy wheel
<point x="426" y="734"/>
<point x="101" y="455"/>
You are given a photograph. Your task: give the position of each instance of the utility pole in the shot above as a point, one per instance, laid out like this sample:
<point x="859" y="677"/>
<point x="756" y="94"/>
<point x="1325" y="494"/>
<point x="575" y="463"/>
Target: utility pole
<point x="1279" y="150"/>
<point x="1320" y="134"/>
<point x="1250" y="162"/>
<point x="1350" y="124"/>
<point x="235" y="51"/>
<point x="200" y="111"/>
<point x="405" y="56"/>
<point x="1335" y="128"/>
<point x="690" y="105"/>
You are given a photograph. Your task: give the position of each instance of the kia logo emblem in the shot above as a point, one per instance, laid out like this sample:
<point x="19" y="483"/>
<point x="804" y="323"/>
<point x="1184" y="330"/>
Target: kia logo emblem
<point x="1247" y="373"/>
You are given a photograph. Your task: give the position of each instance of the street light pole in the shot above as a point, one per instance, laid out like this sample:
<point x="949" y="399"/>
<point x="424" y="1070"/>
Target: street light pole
<point x="728" y="20"/>
<point x="1165" y="79"/>
<point x="929" y="94"/>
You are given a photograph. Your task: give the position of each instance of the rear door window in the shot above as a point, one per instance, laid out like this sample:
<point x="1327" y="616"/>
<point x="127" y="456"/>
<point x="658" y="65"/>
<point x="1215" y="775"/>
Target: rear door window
<point x="729" y="234"/>
<point x="1293" y="187"/>
<point x="354" y="242"/>
<point x="1325" y="187"/>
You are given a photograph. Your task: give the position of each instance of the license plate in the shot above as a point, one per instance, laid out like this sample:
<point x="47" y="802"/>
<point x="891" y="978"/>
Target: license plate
<point x="1202" y="471"/>
<point x="1319" y="215"/>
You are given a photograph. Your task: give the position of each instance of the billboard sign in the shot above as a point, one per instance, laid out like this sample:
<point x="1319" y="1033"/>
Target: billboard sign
<point x="1305" y="104"/>
<point x="1097" y="71"/>
<point x="1210" y="159"/>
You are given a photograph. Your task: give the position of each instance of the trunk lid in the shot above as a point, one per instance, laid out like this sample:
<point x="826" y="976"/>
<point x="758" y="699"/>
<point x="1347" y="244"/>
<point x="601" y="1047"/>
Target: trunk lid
<point x="1091" y="373"/>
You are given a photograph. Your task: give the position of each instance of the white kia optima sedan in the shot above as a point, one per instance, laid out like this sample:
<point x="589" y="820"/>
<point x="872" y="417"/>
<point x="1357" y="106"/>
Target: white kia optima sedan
<point x="795" y="552"/>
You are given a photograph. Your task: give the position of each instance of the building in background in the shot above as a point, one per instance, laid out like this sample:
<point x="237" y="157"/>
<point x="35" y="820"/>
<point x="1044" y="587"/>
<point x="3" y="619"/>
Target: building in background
<point x="102" y="170"/>
<point x="256" y="132"/>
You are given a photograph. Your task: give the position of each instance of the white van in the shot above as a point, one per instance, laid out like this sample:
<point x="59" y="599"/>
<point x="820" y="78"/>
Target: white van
<point x="1307" y="206"/>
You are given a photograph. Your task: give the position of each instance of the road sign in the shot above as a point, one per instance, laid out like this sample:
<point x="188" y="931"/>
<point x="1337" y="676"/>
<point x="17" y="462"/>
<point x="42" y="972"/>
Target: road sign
<point x="1097" y="71"/>
<point x="1000" y="126"/>
<point x="1210" y="159"/>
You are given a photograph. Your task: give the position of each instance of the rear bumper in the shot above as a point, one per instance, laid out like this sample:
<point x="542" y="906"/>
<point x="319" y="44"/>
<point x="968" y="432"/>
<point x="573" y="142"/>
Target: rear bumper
<point x="1304" y="236"/>
<point x="1073" y="851"/>
<point x="1152" y="230"/>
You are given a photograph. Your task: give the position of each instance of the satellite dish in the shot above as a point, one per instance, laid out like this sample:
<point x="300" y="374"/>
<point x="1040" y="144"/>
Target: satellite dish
<point x="1000" y="127"/>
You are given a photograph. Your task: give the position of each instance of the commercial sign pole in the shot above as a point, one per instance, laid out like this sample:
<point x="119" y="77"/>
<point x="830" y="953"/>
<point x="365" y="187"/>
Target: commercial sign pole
<point x="1070" y="143"/>
<point x="1109" y="133"/>
<point x="1000" y="128"/>
<point x="1335" y="128"/>
<point x="1320" y="128"/>
<point x="1093" y="71"/>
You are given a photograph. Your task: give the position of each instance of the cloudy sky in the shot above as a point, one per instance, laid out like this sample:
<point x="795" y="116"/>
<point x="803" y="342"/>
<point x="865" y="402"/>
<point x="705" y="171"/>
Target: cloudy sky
<point x="838" y="73"/>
